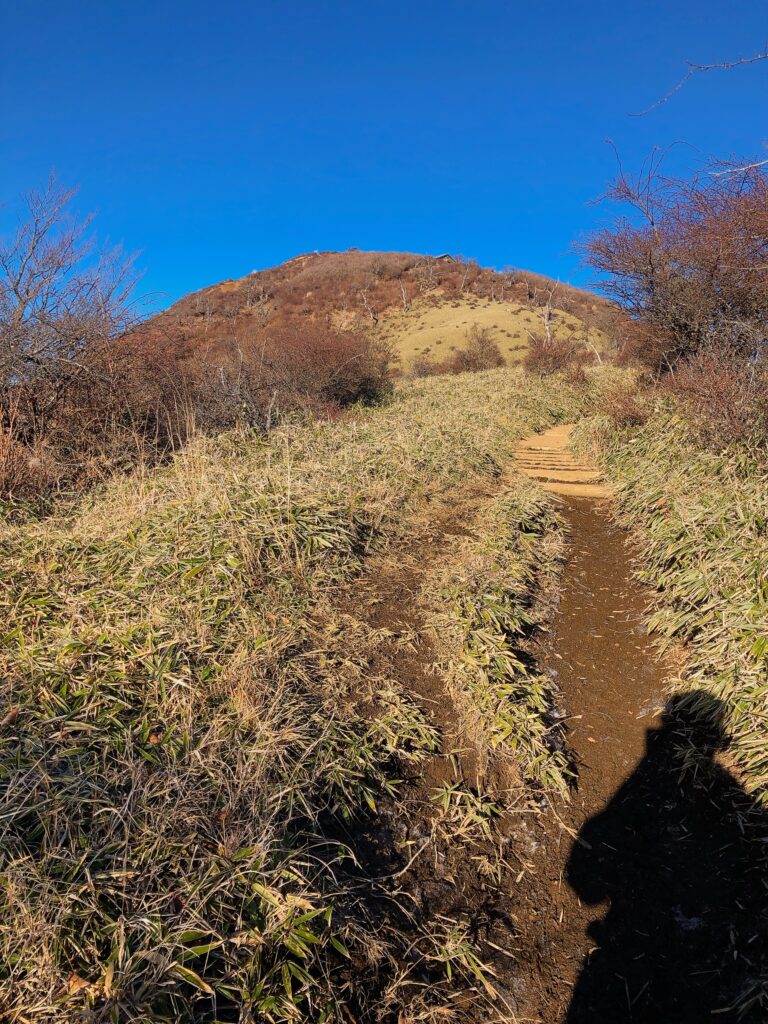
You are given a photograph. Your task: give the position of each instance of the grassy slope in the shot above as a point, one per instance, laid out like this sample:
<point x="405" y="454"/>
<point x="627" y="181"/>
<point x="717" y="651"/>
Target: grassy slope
<point x="702" y="519"/>
<point x="181" y="716"/>
<point x="437" y="329"/>
<point x="514" y="552"/>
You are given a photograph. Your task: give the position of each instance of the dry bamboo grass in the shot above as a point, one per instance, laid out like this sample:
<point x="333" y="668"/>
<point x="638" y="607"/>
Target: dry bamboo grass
<point x="488" y="615"/>
<point x="177" y="729"/>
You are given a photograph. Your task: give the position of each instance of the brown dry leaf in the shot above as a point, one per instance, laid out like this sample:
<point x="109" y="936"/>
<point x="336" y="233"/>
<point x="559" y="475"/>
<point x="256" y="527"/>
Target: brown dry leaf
<point x="10" y="718"/>
<point x="75" y="984"/>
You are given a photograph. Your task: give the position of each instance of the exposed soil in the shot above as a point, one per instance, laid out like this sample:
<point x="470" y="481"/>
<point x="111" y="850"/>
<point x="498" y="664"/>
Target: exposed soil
<point x="442" y="880"/>
<point x="641" y="898"/>
<point x="649" y="887"/>
<point x="547" y="459"/>
<point x="390" y="597"/>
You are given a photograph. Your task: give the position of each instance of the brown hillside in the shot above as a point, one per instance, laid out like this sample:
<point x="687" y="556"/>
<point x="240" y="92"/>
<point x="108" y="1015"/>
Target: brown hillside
<point x="387" y="294"/>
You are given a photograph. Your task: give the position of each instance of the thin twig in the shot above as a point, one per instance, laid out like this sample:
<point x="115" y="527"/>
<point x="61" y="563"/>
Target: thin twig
<point x="694" y="69"/>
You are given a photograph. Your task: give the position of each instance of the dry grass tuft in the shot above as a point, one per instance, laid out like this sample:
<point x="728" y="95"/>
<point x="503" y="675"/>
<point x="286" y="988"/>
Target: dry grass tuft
<point x="506" y="708"/>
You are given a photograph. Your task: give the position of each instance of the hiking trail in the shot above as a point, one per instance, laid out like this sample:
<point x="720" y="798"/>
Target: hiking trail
<point x="617" y="905"/>
<point x="629" y="915"/>
<point x="547" y="459"/>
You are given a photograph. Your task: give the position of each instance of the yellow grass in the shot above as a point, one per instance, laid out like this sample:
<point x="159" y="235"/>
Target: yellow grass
<point x="440" y="328"/>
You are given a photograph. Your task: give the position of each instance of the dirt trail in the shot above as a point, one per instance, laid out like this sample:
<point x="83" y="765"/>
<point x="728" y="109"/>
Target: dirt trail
<point x="629" y="915"/>
<point x="547" y="459"/>
<point x="611" y="683"/>
<point x="638" y="900"/>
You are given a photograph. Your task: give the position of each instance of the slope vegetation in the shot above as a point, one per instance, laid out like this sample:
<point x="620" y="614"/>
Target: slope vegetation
<point x="202" y="727"/>
<point x="414" y="302"/>
<point x="436" y="328"/>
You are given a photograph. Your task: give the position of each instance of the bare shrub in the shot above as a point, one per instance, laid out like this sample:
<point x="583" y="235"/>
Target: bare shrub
<point x="313" y="369"/>
<point x="550" y="355"/>
<point x="689" y="262"/>
<point x="24" y="471"/>
<point x="620" y="402"/>
<point x="62" y="301"/>
<point x="576" y="375"/>
<point x="725" y="397"/>
<point x="480" y="353"/>
<point x="424" y="366"/>
<point x="690" y="266"/>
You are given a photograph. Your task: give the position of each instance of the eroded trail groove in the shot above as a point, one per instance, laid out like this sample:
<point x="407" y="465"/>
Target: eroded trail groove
<point x="638" y="908"/>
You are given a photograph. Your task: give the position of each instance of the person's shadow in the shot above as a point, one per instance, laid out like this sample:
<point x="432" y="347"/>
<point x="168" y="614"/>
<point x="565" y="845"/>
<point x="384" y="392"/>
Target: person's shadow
<point x="680" y="854"/>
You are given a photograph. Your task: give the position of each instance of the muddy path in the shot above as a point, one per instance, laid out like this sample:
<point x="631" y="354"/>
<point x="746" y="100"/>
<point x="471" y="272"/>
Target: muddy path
<point x="638" y="899"/>
<point x="643" y="906"/>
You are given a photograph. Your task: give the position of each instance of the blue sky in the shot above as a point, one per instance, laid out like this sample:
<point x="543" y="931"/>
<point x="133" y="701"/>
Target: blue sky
<point x="218" y="138"/>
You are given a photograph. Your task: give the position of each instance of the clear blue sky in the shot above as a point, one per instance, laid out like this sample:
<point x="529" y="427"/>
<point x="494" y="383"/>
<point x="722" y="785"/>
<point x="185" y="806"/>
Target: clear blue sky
<point x="221" y="137"/>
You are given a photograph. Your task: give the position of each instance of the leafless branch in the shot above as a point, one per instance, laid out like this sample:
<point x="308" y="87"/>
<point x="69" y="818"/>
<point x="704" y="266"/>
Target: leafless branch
<point x="694" y="69"/>
<point x="61" y="301"/>
<point x="739" y="168"/>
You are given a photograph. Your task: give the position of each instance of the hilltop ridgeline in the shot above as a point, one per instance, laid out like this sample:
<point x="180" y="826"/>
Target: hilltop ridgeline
<point x="351" y="291"/>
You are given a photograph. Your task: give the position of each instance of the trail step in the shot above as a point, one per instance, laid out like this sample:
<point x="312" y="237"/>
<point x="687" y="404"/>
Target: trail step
<point x="547" y="459"/>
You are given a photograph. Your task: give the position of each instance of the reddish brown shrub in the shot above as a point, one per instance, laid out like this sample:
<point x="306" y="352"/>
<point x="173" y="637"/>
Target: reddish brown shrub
<point x="689" y="262"/>
<point x="262" y="378"/>
<point x="621" y="403"/>
<point x="25" y="469"/>
<point x="323" y="366"/>
<point x="424" y="366"/>
<point x="550" y="355"/>
<point x="724" y="395"/>
<point x="18" y="478"/>
<point x="575" y="375"/>
<point x="480" y="353"/>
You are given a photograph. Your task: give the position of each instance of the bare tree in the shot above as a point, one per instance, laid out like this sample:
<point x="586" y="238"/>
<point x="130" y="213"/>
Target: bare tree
<point x="696" y="69"/>
<point x="690" y="263"/>
<point x="368" y="307"/>
<point x="425" y="274"/>
<point x="61" y="301"/>
<point x="542" y="300"/>
<point x="469" y="266"/>
<point x="507" y="279"/>
<point x="587" y="325"/>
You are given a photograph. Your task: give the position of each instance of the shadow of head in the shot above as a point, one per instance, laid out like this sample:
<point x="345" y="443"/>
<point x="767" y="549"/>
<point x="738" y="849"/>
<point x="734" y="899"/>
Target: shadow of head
<point x="661" y="790"/>
<point x="698" y="719"/>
